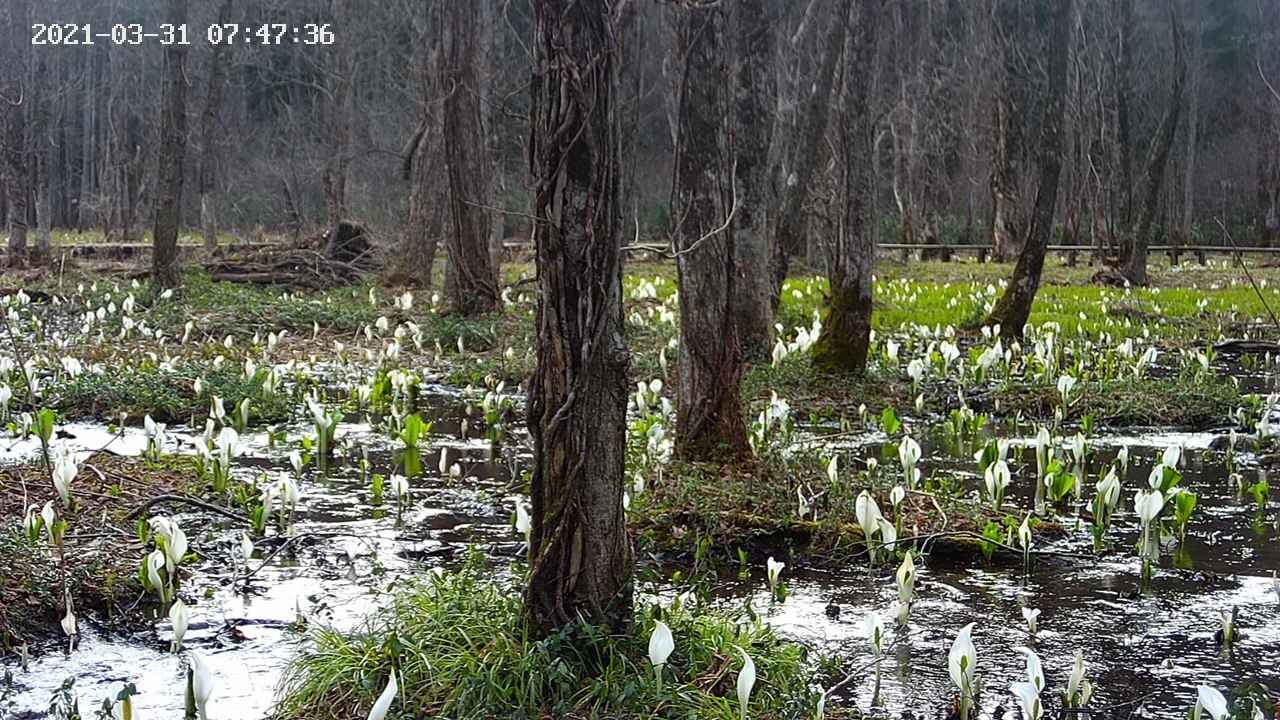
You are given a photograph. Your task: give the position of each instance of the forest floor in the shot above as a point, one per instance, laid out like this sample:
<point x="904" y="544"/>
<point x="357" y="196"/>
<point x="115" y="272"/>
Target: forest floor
<point x="167" y="355"/>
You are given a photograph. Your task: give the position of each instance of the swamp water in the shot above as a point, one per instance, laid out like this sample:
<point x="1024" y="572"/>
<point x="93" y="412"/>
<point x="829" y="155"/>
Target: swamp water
<point x="1145" y="654"/>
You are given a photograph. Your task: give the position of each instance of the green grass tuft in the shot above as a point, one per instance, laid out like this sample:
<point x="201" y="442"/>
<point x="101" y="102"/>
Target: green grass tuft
<point x="462" y="652"/>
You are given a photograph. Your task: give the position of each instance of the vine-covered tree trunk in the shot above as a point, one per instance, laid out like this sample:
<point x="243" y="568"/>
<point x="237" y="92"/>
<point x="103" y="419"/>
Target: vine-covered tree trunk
<point x="1014" y="306"/>
<point x="1134" y="265"/>
<point x="709" y="420"/>
<point x="172" y="154"/>
<point x="13" y="172"/>
<point x="846" y="329"/>
<point x="788" y="233"/>
<point x="580" y="554"/>
<point x="470" y="282"/>
<point x="755" y="88"/>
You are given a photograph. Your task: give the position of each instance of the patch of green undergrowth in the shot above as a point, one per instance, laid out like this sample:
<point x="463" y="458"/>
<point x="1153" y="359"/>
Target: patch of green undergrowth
<point x="460" y="647"/>
<point x="168" y="395"/>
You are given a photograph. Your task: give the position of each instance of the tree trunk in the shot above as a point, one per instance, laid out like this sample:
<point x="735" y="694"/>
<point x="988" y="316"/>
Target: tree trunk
<point x="172" y="151"/>
<point x="339" y="112"/>
<point x="1008" y="221"/>
<point x="1193" y="128"/>
<point x="1014" y="306"/>
<point x="755" y="86"/>
<point x="580" y="553"/>
<point x="15" y="156"/>
<point x="470" y="282"/>
<point x="1134" y="265"/>
<point x="709" y="414"/>
<point x="846" y="330"/>
<point x="789" y="225"/>
<point x="1124" y="131"/>
<point x="208" y="135"/>
<point x="415" y="263"/>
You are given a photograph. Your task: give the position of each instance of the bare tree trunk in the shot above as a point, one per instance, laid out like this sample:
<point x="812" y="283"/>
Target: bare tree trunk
<point x="1124" y="131"/>
<point x="846" y="330"/>
<point x="415" y="263"/>
<point x="789" y="225"/>
<point x="579" y="549"/>
<point x="208" y="135"/>
<point x="14" y="108"/>
<point x="1193" y="130"/>
<point x="339" y="112"/>
<point x="1134" y="264"/>
<point x="1014" y="306"/>
<point x="754" y="88"/>
<point x="172" y="151"/>
<point x="86" y="202"/>
<point x="709" y="420"/>
<point x="1008" y="222"/>
<point x="470" y="282"/>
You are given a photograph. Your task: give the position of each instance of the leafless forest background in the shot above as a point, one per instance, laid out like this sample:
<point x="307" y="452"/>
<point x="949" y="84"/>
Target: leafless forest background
<point x="290" y="138"/>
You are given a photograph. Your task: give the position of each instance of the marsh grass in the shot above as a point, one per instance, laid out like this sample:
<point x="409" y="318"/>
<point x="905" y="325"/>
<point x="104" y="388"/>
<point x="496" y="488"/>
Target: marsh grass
<point x="460" y="647"/>
<point x="167" y="395"/>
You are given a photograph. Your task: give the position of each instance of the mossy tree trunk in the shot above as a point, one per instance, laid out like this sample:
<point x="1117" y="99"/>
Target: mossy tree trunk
<point x="172" y="156"/>
<point x="755" y="90"/>
<point x="1014" y="306"/>
<point x="580" y="553"/>
<point x="471" y="282"/>
<point x="709" y="422"/>
<point x="1134" y="262"/>
<point x="846" y="329"/>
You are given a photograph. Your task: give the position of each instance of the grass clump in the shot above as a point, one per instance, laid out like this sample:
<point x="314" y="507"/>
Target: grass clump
<point x="459" y="644"/>
<point x="167" y="395"/>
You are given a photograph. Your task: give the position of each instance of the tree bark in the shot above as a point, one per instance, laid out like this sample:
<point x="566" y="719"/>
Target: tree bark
<point x="208" y="135"/>
<point x="755" y="86"/>
<point x="339" y="113"/>
<point x="470" y="283"/>
<point x="1193" y="129"/>
<point x="579" y="549"/>
<point x="846" y="330"/>
<point x="1008" y="221"/>
<point x="1124" y="132"/>
<point x="1134" y="265"/>
<point x="420" y="160"/>
<point x="789" y="228"/>
<point x="709" y="422"/>
<point x="172" y="152"/>
<point x="14" y="105"/>
<point x="1014" y="306"/>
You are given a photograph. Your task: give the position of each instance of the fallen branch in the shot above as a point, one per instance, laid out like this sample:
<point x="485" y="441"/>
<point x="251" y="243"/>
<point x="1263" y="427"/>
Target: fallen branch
<point x="186" y="500"/>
